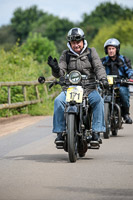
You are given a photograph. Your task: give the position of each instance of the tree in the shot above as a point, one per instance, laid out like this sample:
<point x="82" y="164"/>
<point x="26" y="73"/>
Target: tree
<point x="122" y="30"/>
<point x="7" y="38"/>
<point x="34" y="20"/>
<point x="105" y="14"/>
<point x="22" y="21"/>
<point x="54" y="29"/>
<point x="40" y="47"/>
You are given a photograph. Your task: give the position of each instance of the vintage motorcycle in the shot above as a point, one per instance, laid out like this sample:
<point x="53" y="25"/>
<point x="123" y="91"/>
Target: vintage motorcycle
<point x="112" y="105"/>
<point x="78" y="114"/>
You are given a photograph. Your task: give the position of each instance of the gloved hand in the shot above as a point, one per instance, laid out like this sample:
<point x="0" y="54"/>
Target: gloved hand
<point x="105" y="83"/>
<point x="131" y="78"/>
<point x="41" y="79"/>
<point x="53" y="64"/>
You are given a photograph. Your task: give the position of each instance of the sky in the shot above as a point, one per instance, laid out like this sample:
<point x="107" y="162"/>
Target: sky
<point x="71" y="9"/>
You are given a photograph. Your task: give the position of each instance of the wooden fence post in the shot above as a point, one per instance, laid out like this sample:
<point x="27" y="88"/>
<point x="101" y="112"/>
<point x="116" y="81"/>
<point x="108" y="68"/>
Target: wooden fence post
<point x="24" y="92"/>
<point x="9" y="95"/>
<point x="37" y="92"/>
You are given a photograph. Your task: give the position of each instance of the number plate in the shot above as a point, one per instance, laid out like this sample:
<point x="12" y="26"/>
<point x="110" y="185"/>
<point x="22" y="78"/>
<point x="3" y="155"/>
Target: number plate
<point x="74" y="93"/>
<point x="110" y="80"/>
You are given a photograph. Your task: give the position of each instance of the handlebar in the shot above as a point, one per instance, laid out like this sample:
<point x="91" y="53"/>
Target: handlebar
<point x="55" y="82"/>
<point x="97" y="82"/>
<point x="124" y="81"/>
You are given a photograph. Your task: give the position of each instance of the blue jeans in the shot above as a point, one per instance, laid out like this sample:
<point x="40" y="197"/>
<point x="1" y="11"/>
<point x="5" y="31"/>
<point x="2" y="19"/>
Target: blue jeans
<point x="97" y="104"/>
<point x="124" y="96"/>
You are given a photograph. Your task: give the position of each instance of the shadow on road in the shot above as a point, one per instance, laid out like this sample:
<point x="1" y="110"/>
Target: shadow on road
<point x="99" y="193"/>
<point x="45" y="158"/>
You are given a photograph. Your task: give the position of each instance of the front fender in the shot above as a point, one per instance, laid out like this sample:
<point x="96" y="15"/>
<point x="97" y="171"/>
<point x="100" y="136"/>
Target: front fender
<point x="72" y="109"/>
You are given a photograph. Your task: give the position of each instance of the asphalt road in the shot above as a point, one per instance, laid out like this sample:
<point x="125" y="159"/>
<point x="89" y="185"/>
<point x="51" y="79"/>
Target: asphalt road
<point x="31" y="168"/>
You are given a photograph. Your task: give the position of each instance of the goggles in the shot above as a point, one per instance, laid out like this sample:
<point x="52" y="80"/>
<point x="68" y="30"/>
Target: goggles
<point x="75" y="38"/>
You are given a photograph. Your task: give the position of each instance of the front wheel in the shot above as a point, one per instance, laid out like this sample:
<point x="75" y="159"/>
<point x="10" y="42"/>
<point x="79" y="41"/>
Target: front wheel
<point x="117" y="121"/>
<point x="106" y="134"/>
<point x="72" y="138"/>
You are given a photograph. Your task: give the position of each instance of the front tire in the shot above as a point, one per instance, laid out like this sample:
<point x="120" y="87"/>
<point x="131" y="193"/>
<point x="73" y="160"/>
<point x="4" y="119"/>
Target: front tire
<point x="117" y="121"/>
<point x="72" y="138"/>
<point x="106" y="135"/>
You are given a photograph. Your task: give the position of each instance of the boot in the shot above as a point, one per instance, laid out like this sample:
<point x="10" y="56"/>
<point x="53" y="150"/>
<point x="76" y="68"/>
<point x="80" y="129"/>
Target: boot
<point x="127" y="119"/>
<point x="125" y="115"/>
<point x="95" y="140"/>
<point x="59" y="140"/>
<point x="99" y="139"/>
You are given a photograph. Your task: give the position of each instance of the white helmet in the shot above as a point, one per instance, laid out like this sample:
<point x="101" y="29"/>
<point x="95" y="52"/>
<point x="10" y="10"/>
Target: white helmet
<point x="75" y="34"/>
<point x="112" y="42"/>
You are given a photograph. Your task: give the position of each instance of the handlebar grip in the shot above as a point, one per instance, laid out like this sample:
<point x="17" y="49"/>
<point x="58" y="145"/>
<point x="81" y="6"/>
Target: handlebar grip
<point x="131" y="80"/>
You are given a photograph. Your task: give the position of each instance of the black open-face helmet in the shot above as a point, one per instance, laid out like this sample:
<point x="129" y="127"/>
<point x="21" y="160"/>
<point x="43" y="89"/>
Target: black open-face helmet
<point x="75" y="34"/>
<point x="112" y="42"/>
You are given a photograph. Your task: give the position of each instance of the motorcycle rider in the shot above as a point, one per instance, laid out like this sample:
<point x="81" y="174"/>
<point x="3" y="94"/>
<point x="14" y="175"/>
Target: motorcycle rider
<point x="78" y="60"/>
<point x="116" y="64"/>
